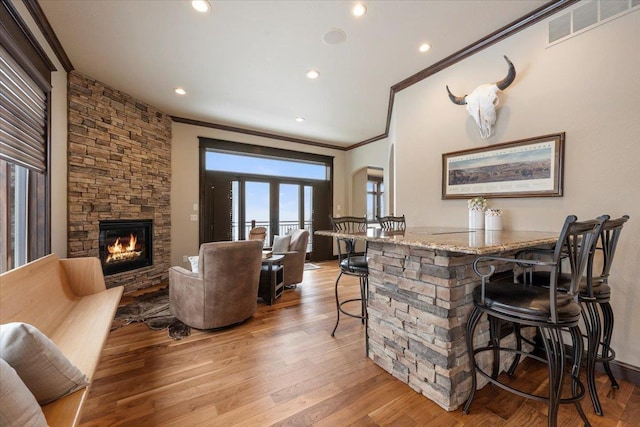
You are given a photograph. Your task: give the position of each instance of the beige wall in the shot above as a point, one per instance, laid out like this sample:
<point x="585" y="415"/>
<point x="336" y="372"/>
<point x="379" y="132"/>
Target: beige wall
<point x="588" y="87"/>
<point x="58" y="140"/>
<point x="356" y="161"/>
<point x="184" y="180"/>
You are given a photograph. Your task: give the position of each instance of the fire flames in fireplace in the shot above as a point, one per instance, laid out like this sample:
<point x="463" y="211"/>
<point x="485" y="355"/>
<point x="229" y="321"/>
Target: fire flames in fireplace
<point x="126" y="252"/>
<point x="125" y="245"/>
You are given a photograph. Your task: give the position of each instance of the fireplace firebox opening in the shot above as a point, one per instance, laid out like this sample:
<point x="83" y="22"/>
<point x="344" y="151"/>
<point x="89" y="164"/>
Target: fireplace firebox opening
<point x="125" y="245"/>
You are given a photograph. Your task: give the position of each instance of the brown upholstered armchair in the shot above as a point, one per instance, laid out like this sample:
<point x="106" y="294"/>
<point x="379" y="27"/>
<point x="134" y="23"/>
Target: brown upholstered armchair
<point x="294" y="255"/>
<point x="224" y="291"/>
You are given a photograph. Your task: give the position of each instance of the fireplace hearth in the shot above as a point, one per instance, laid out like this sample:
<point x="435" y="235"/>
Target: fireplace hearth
<point x="125" y="245"/>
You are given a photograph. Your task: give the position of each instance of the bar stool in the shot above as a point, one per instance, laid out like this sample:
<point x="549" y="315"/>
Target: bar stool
<point x="352" y="264"/>
<point x="594" y="296"/>
<point x="547" y="310"/>
<point x="392" y="223"/>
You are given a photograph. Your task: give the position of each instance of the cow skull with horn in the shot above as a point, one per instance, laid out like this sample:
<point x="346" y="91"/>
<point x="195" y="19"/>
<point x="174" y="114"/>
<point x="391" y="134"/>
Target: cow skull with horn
<point x="481" y="103"/>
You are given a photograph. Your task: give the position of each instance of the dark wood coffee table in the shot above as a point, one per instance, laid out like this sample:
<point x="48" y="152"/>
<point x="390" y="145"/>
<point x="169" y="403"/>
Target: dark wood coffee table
<point x="271" y="279"/>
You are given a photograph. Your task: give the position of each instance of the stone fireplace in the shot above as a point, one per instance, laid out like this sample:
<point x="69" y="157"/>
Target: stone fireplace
<point x="125" y="245"/>
<point x="119" y="171"/>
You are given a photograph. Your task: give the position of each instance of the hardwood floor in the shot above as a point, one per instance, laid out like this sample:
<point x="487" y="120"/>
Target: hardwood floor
<point x="282" y="367"/>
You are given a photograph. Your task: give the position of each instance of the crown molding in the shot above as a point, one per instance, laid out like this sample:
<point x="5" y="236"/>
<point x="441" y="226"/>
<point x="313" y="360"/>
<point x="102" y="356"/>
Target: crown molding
<point x="254" y="133"/>
<point x="45" y="27"/>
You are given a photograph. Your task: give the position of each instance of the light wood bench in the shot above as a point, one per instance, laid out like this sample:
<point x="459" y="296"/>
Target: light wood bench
<point x="68" y="301"/>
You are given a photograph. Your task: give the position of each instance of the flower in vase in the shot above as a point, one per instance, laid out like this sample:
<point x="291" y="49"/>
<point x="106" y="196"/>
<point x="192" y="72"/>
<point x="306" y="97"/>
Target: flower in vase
<point x="477" y="204"/>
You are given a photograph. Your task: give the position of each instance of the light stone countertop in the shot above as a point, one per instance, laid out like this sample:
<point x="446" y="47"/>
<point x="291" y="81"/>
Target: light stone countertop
<point x="451" y="239"/>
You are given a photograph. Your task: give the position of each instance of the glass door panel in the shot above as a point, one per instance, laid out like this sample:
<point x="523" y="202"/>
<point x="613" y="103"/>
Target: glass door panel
<point x="289" y="208"/>
<point x="308" y="214"/>
<point x="257" y="202"/>
<point x="235" y="210"/>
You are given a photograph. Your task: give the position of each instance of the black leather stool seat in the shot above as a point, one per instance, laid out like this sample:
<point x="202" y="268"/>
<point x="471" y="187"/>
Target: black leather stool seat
<point x="355" y="264"/>
<point x="525" y="300"/>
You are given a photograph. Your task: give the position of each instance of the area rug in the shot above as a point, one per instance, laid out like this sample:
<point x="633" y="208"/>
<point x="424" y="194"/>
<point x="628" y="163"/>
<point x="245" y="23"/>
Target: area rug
<point x="309" y="266"/>
<point x="152" y="309"/>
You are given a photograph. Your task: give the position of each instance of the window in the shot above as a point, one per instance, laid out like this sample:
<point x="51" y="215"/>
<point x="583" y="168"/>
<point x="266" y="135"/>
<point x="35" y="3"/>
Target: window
<point x="375" y="192"/>
<point x="25" y="86"/>
<point x="244" y="186"/>
<point x="260" y="165"/>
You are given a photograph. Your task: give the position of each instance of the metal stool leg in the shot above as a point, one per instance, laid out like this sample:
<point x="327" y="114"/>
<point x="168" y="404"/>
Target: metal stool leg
<point x="337" y="305"/>
<point x="494" y="337"/>
<point x="554" y="349"/>
<point x="576" y="390"/>
<point x="591" y="319"/>
<point x="607" y="352"/>
<point x="364" y="291"/>
<point x="516" y="360"/>
<point x="474" y="317"/>
<point x="363" y="282"/>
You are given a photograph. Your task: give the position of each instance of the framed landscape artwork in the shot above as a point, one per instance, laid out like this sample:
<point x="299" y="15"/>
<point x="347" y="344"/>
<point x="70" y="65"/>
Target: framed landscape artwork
<point x="526" y="168"/>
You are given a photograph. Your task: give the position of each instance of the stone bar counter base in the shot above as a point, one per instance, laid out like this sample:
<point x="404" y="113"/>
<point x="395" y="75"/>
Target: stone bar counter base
<point x="419" y="301"/>
<point x="420" y="294"/>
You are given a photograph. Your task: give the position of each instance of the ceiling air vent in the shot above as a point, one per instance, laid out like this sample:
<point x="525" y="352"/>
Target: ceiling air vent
<point x="613" y="7"/>
<point x="587" y="15"/>
<point x="560" y="28"/>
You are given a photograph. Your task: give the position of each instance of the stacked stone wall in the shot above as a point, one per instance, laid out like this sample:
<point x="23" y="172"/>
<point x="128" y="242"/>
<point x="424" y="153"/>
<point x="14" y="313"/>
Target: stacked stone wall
<point x="119" y="167"/>
<point x="419" y="301"/>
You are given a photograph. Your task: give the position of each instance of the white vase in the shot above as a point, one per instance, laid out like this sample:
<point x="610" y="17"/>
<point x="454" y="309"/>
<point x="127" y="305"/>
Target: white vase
<point x="493" y="219"/>
<point x="493" y="223"/>
<point x="476" y="219"/>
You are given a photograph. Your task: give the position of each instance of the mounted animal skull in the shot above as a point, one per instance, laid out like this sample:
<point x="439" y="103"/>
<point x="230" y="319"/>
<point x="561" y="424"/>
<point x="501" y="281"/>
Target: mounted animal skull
<point x="481" y="103"/>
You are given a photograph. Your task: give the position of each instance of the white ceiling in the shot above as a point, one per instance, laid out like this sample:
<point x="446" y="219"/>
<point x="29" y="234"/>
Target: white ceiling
<point x="243" y="64"/>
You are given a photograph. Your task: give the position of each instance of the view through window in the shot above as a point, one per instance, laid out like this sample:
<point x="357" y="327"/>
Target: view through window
<point x="375" y="199"/>
<point x="262" y="191"/>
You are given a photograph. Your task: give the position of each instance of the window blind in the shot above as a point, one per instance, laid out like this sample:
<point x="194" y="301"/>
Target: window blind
<point x="23" y="116"/>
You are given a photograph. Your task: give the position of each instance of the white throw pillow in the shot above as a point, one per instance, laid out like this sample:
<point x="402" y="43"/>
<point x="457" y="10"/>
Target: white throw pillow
<point x="40" y="364"/>
<point x="194" y="263"/>
<point x="281" y="244"/>
<point x="18" y="407"/>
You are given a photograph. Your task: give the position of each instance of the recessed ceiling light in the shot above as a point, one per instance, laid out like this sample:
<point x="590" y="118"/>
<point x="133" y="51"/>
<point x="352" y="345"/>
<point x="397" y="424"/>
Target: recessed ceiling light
<point x="359" y="9"/>
<point x="312" y="74"/>
<point x="180" y="91"/>
<point x="424" y="47"/>
<point x="201" y="5"/>
<point x="299" y="119"/>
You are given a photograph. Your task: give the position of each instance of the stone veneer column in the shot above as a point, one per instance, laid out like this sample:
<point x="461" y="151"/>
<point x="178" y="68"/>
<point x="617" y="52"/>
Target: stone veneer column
<point x="119" y="167"/>
<point x="419" y="301"/>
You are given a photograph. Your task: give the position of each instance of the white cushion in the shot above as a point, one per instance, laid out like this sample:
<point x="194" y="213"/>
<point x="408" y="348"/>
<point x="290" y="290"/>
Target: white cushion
<point x="18" y="407"/>
<point x="281" y="244"/>
<point x="39" y="362"/>
<point x="194" y="263"/>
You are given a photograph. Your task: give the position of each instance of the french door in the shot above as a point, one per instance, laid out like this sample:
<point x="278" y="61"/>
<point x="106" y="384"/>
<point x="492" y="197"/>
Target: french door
<point x="234" y="203"/>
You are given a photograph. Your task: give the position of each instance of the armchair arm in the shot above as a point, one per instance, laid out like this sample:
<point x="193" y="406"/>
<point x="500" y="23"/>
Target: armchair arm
<point x="293" y="263"/>
<point x="186" y="295"/>
<point x="182" y="275"/>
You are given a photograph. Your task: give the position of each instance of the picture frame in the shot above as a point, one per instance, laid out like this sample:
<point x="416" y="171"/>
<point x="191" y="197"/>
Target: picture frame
<point x="531" y="167"/>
